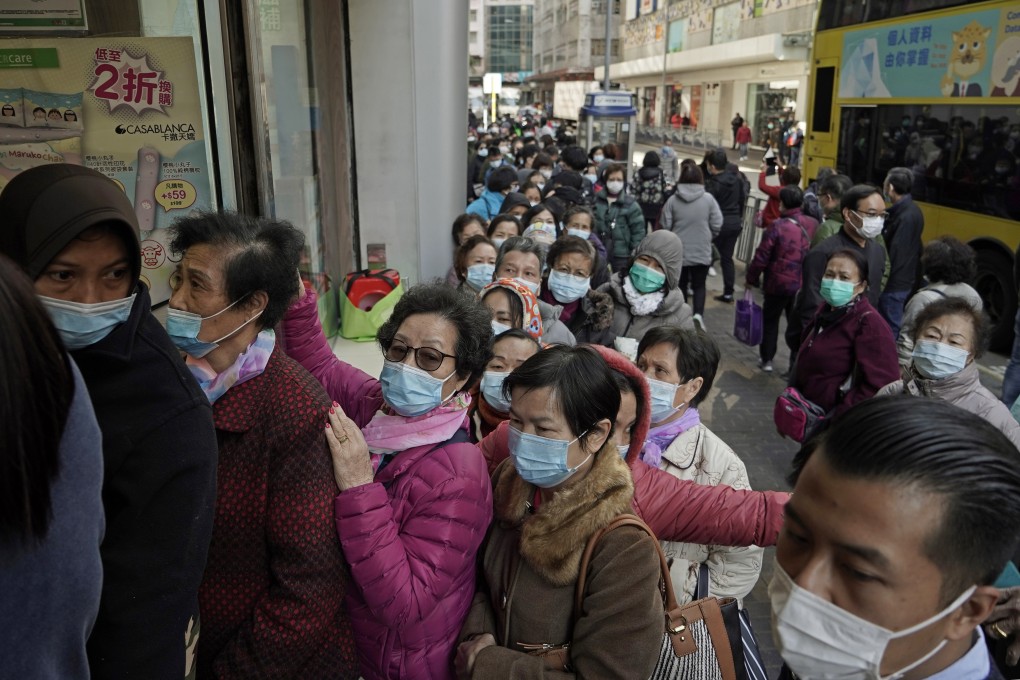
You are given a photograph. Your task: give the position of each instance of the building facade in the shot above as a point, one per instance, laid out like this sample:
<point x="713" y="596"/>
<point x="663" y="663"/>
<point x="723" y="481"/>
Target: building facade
<point x="699" y="62"/>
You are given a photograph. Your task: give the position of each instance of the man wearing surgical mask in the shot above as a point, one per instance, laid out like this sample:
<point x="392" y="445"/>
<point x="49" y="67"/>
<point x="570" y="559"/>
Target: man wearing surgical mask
<point x="75" y="233"/>
<point x="902" y="232"/>
<point x="864" y="214"/>
<point x="892" y="538"/>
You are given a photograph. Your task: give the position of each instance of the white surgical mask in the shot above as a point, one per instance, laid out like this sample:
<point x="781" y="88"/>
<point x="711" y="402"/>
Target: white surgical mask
<point x="482" y="153"/>
<point x="545" y="172"/>
<point x="579" y="233"/>
<point x="819" y="640"/>
<point x="871" y="225"/>
<point x="533" y="287"/>
<point x="614" y="187"/>
<point x="598" y="158"/>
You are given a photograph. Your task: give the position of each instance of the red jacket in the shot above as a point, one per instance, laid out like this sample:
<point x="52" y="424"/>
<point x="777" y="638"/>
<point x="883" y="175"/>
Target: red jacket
<point x="743" y="135"/>
<point x="411" y="537"/>
<point x="859" y="342"/>
<point x="772" y="207"/>
<point x="271" y="600"/>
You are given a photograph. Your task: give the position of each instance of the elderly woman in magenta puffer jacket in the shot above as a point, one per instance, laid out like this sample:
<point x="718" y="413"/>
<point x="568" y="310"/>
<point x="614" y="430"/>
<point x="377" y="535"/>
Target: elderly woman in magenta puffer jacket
<point x="415" y="499"/>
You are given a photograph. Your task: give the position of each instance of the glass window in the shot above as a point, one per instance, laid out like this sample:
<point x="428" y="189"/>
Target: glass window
<point x="821" y="113"/>
<point x="841" y="13"/>
<point x="677" y="35"/>
<point x="964" y="157"/>
<point x="473" y="16"/>
<point x="726" y="23"/>
<point x="509" y="38"/>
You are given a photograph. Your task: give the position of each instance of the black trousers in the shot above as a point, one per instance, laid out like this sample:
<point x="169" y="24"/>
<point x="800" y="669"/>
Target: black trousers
<point x="694" y="276"/>
<point x="773" y="308"/>
<point x="725" y="243"/>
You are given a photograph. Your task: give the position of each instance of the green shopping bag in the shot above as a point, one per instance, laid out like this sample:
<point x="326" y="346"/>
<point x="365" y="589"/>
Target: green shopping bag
<point x="368" y="300"/>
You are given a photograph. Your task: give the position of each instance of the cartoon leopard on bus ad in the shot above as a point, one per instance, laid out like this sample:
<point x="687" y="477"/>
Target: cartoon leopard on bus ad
<point x="967" y="56"/>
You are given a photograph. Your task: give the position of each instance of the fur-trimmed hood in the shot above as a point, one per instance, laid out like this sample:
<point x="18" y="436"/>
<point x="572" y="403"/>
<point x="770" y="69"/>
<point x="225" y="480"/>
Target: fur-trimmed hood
<point x="598" y="310"/>
<point x="553" y="537"/>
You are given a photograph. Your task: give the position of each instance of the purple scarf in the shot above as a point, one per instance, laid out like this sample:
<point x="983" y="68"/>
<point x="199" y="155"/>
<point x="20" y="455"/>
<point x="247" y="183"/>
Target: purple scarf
<point x="659" y="438"/>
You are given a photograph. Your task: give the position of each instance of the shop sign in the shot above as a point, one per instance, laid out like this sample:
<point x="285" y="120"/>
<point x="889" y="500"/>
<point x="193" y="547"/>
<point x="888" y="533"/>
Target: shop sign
<point x="970" y="54"/>
<point x="53" y="16"/>
<point x="127" y="107"/>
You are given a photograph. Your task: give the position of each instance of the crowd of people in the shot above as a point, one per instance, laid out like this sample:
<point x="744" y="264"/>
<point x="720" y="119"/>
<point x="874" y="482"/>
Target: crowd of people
<point x="225" y="497"/>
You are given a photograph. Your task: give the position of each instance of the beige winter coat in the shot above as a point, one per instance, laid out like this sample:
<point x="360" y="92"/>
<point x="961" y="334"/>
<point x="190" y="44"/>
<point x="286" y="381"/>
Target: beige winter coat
<point x="700" y="456"/>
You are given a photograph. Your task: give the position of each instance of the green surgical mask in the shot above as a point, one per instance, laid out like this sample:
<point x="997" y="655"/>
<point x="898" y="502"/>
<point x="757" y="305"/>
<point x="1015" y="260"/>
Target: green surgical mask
<point x="646" y="279"/>
<point x="837" y="293"/>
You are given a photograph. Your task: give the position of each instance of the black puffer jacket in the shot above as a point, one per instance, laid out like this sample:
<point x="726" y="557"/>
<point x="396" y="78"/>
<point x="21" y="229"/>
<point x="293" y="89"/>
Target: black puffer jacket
<point x="730" y="193"/>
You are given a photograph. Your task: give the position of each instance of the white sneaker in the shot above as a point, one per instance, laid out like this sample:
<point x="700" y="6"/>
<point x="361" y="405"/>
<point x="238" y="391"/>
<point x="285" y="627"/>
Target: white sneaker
<point x="699" y="323"/>
<point x="712" y="271"/>
<point x="765" y="366"/>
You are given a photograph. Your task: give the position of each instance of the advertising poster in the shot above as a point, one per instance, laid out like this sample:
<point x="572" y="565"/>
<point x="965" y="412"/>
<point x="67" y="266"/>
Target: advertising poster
<point x="127" y="107"/>
<point x="43" y="16"/>
<point x="976" y="54"/>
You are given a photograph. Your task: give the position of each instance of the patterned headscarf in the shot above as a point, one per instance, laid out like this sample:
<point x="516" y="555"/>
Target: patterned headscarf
<point x="532" y="323"/>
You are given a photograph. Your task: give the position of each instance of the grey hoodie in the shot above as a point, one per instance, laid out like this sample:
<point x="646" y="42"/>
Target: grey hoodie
<point x="693" y="214"/>
<point x="666" y="249"/>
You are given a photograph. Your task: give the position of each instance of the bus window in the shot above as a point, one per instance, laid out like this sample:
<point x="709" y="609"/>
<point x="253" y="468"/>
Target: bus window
<point x="843" y="13"/>
<point x="857" y="142"/>
<point x="821" y="110"/>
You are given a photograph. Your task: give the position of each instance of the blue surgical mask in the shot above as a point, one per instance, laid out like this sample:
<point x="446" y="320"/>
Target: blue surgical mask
<point x="541" y="461"/>
<point x="81" y="325"/>
<point x="480" y="275"/>
<point x="498" y="328"/>
<point x="498" y="242"/>
<point x="935" y="360"/>
<point x="567" y="288"/>
<point x="492" y="390"/>
<point x="663" y="394"/>
<point x="496" y="162"/>
<point x="598" y="158"/>
<point x="593" y="178"/>
<point x="533" y="287"/>
<point x="623" y="450"/>
<point x="184" y="327"/>
<point x="579" y="233"/>
<point x="411" y="391"/>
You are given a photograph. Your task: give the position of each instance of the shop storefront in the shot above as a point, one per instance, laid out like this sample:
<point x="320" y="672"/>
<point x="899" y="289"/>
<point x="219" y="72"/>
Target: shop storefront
<point x="193" y="106"/>
<point x="770" y="103"/>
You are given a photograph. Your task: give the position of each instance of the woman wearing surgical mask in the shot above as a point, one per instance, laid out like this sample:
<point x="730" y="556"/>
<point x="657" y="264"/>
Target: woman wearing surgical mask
<point x="619" y="221"/>
<point x="522" y="259"/>
<point x="949" y="334"/>
<point x="415" y="499"/>
<point x="503" y="227"/>
<point x="475" y="263"/>
<point x="680" y="366"/>
<point x="564" y="481"/>
<point x="847" y="351"/>
<point x="579" y="220"/>
<point x="646" y="295"/>
<point x="512" y="306"/>
<point x="464" y="227"/>
<point x="74" y="232"/>
<point x="263" y="609"/>
<point x="510" y="349"/>
<point x="586" y="312"/>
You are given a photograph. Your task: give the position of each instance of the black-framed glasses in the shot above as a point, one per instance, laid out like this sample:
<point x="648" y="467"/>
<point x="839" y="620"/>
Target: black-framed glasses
<point x="427" y="358"/>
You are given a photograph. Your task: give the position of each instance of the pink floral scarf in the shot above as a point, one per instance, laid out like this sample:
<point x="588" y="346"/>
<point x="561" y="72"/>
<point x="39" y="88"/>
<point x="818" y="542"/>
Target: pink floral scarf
<point x="251" y="363"/>
<point x="389" y="433"/>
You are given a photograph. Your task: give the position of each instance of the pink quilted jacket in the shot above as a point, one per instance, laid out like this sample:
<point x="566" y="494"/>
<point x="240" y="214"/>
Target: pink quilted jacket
<point x="411" y="537"/>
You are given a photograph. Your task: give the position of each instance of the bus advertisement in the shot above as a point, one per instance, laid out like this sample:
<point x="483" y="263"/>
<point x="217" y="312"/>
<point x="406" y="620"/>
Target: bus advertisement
<point x="934" y="86"/>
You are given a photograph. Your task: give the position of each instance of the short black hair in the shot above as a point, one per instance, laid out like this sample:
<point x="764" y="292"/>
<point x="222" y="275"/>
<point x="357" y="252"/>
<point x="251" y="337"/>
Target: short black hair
<point x="790" y="175"/>
<point x="835" y="186"/>
<point x="791" y="196"/>
<point x="955" y="306"/>
<point x="949" y="260"/>
<point x="259" y="253"/>
<point x="500" y="219"/>
<point x="690" y="173"/>
<point x="717" y="159"/>
<point x="542" y="160"/>
<point x="575" y="158"/>
<point x="651" y="160"/>
<point x="460" y="257"/>
<point x="578" y="210"/>
<point x="565" y="245"/>
<point x="697" y="355"/>
<point x="857" y="193"/>
<point x="524" y="244"/>
<point x="969" y="464"/>
<point x="613" y="168"/>
<point x="855" y="257"/>
<point x="545" y="205"/>
<point x="461" y="223"/>
<point x="36" y="391"/>
<point x="516" y="334"/>
<point x="471" y="319"/>
<point x="901" y="179"/>
<point x="581" y="381"/>
<point x="501" y="179"/>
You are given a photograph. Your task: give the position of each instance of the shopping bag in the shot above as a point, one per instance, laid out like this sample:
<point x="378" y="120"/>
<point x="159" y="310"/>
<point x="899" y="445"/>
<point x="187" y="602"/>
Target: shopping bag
<point x="368" y="300"/>
<point x="747" y="323"/>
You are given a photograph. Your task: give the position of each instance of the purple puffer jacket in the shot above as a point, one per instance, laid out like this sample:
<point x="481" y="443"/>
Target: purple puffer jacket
<point x="411" y="537"/>
<point x="781" y="253"/>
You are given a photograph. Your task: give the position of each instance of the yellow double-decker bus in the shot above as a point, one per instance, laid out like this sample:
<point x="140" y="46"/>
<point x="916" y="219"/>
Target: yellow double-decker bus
<point x="934" y="86"/>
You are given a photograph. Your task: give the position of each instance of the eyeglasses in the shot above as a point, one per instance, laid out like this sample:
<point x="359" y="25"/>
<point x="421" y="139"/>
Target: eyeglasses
<point x="427" y="358"/>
